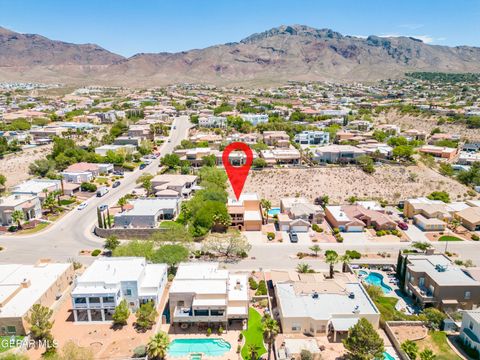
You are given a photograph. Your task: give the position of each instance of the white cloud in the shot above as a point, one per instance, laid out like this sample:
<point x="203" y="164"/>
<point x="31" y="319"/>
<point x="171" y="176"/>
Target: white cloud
<point x="427" y="39"/>
<point x="411" y="26"/>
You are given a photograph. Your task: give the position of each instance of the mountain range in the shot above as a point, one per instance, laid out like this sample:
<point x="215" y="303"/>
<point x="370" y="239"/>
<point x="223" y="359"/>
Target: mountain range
<point x="274" y="56"/>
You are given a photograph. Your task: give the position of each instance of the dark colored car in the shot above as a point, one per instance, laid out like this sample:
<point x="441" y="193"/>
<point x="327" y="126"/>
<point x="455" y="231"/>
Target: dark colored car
<point x="293" y="237"/>
<point x="116" y="184"/>
<point x="118" y="172"/>
<point x="103" y="207"/>
<point x="142" y="166"/>
<point x="402" y="225"/>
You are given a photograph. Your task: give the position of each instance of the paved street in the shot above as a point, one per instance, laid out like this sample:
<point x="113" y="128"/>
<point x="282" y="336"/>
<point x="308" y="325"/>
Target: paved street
<point x="72" y="233"/>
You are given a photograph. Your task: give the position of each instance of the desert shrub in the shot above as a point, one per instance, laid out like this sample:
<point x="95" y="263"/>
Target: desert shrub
<point x="317" y="228"/>
<point x="353" y="254"/>
<point x="252" y="283"/>
<point x="270" y="236"/>
<point x="262" y="288"/>
<point x="96" y="252"/>
<point x="88" y="187"/>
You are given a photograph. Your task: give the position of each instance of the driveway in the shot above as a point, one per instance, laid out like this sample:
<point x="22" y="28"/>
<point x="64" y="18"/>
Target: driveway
<point x="355" y="237"/>
<point x="415" y="234"/>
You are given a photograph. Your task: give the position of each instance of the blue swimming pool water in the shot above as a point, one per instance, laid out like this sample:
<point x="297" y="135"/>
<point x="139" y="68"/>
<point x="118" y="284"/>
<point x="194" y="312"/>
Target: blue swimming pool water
<point x="274" y="211"/>
<point x="209" y="347"/>
<point x="387" y="356"/>
<point x="375" y="278"/>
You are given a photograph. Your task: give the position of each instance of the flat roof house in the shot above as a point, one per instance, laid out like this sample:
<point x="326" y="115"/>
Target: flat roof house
<point x="470" y="329"/>
<point x="469" y="218"/>
<point x="342" y="220"/>
<point x="173" y="186"/>
<point x="30" y="205"/>
<point x="104" y="149"/>
<point x="276" y="138"/>
<point x="309" y="137"/>
<point x="433" y="280"/>
<point x="36" y="187"/>
<point x="108" y="281"/>
<point x="301" y="208"/>
<point x="255" y="119"/>
<point x="22" y="286"/>
<point x="148" y="213"/>
<point x="314" y="304"/>
<point x="204" y="293"/>
<point x="337" y="154"/>
<point x="438" y="151"/>
<point x="281" y="156"/>
<point x="245" y="212"/>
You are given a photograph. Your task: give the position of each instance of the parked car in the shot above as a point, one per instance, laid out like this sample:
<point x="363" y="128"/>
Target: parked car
<point x="82" y="206"/>
<point x="116" y="184"/>
<point x="102" y="207"/>
<point x="102" y="191"/>
<point x="118" y="172"/>
<point x="174" y="127"/>
<point x="142" y="166"/>
<point x="402" y="225"/>
<point x="293" y="237"/>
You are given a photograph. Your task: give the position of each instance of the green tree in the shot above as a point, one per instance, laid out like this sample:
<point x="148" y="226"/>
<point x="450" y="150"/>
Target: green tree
<point x="363" y="342"/>
<point x="419" y="245"/>
<point x="410" y="348"/>
<point x="41" y="167"/>
<point x="331" y="258"/>
<point x="17" y="217"/>
<point x="304" y="268"/>
<point x="146" y="315"/>
<point x="270" y="331"/>
<point x="3" y="181"/>
<point x="253" y="350"/>
<point x="229" y="245"/>
<point x="434" y="318"/>
<point x="259" y="163"/>
<point x="40" y="324"/>
<point x="209" y="160"/>
<point x="146" y="181"/>
<point x="439" y="195"/>
<point x="375" y="292"/>
<point x="266" y="205"/>
<point x="158" y="345"/>
<point x="122" y="202"/>
<point x="111" y="243"/>
<point x="366" y="163"/>
<point x="171" y="161"/>
<point x="316" y="249"/>
<point x="427" y="354"/>
<point x="121" y="313"/>
<point x="172" y="255"/>
<point x="404" y="152"/>
<point x="345" y="259"/>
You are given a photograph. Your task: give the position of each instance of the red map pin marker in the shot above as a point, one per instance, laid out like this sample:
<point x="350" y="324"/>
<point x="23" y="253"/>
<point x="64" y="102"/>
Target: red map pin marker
<point x="237" y="174"/>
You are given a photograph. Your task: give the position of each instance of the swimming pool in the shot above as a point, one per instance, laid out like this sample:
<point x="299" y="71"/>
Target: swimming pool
<point x="209" y="347"/>
<point x="376" y="279"/>
<point x="387" y="356"/>
<point x="274" y="211"/>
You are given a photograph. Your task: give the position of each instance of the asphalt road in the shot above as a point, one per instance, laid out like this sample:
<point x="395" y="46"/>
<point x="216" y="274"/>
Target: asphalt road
<point x="73" y="232"/>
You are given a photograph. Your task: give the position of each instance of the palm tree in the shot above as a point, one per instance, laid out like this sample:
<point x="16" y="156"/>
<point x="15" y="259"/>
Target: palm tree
<point x="17" y="217"/>
<point x="270" y="331"/>
<point x="266" y="205"/>
<point x="454" y="224"/>
<point x="253" y="351"/>
<point x="345" y="259"/>
<point x="303" y="268"/>
<point x="331" y="258"/>
<point x="316" y="249"/>
<point x="122" y="202"/>
<point x="158" y="345"/>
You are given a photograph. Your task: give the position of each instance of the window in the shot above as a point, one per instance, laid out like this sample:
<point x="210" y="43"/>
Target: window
<point x="11" y="330"/>
<point x="94" y="300"/>
<point x="80" y="300"/>
<point x="128" y="292"/>
<point x="108" y="299"/>
<point x="180" y="303"/>
<point x="216" y="312"/>
<point x="200" y="312"/>
<point x="467" y="295"/>
<point x="470" y="326"/>
<point x="296" y="327"/>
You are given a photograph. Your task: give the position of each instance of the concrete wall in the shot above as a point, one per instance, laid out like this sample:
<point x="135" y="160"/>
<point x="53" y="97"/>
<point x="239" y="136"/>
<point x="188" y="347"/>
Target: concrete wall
<point x="128" y="234"/>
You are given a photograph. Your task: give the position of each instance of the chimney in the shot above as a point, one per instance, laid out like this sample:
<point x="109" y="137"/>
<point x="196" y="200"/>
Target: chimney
<point x="25" y="283"/>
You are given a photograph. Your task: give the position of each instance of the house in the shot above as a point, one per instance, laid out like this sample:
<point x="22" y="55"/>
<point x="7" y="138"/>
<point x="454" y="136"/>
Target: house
<point x="22" y="286"/>
<point x="255" y="119"/>
<point x="245" y="212"/>
<point x="469" y="218"/>
<point x="428" y="208"/>
<point x="361" y="125"/>
<point x="314" y="304"/>
<point x="148" y="212"/>
<point x="301" y="208"/>
<point x="195" y="156"/>
<point x="443" y="136"/>
<point x="285" y="223"/>
<point x="128" y="140"/>
<point x="29" y="205"/>
<point x="414" y="134"/>
<point x="104" y="149"/>
<point x="249" y="139"/>
<point x="140" y="131"/>
<point x="279" y="139"/>
<point x="203" y="293"/>
<point x="176" y="186"/>
<point x="281" y="156"/>
<point x="332" y="154"/>
<point x="108" y="281"/>
<point x="84" y="172"/>
<point x="439" y="151"/>
<point x="429" y="224"/>
<point x="213" y="122"/>
<point x="353" y="218"/>
<point x="433" y="280"/>
<point x="470" y="329"/>
<point x="309" y="137"/>
<point x="37" y="187"/>
<point x="375" y="149"/>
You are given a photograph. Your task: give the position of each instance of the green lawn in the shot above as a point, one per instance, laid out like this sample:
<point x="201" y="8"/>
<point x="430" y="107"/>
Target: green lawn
<point x="37" y="228"/>
<point x="449" y="238"/>
<point x="253" y="334"/>
<point x="437" y="342"/>
<point x="386" y="306"/>
<point x="5" y="340"/>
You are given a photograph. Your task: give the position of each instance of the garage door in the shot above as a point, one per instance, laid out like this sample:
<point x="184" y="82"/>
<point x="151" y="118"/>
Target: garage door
<point x="355" y="229"/>
<point x="300" y="228"/>
<point x="285" y="227"/>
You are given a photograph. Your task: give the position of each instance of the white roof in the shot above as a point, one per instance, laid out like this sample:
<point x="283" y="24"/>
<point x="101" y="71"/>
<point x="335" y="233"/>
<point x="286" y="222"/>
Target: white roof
<point x="35" y="186"/>
<point x="243" y="197"/>
<point x="338" y="213"/>
<point x="252" y="215"/>
<point x="41" y="278"/>
<point x="237" y="287"/>
<point x="150" y="207"/>
<point x="343" y="324"/>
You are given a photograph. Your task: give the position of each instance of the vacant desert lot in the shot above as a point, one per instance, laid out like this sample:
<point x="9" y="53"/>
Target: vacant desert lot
<point x="391" y="183"/>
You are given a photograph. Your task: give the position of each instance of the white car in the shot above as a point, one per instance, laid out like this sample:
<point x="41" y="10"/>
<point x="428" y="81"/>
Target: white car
<point x="82" y="206"/>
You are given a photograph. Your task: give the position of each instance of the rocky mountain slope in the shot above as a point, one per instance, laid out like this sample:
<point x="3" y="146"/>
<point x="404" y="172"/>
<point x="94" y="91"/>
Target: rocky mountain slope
<point x="284" y="53"/>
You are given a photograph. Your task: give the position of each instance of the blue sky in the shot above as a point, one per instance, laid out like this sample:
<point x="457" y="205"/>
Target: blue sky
<point x="128" y="27"/>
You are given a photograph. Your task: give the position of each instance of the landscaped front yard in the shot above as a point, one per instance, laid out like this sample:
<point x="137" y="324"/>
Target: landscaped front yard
<point x="253" y="335"/>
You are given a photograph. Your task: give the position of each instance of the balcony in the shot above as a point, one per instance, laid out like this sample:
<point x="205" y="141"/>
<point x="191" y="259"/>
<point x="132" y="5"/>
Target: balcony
<point x="422" y="293"/>
<point x="188" y="315"/>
